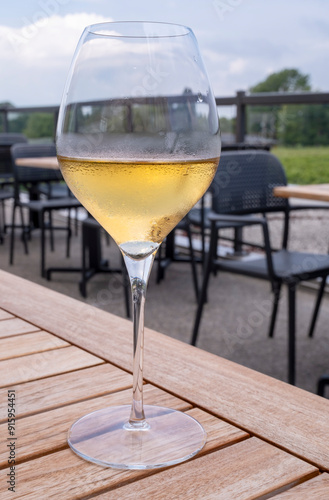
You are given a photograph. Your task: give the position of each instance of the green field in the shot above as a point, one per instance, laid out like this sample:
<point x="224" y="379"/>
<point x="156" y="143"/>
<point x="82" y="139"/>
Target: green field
<point x="304" y="165"/>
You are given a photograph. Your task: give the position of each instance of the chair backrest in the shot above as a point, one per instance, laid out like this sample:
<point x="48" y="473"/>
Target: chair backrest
<point x="6" y="141"/>
<point x="34" y="174"/>
<point x="244" y="183"/>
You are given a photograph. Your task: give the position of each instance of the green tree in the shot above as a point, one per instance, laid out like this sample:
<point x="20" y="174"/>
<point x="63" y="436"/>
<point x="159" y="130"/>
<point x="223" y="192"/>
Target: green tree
<point x="270" y="121"/>
<point x="304" y="125"/>
<point x="287" y="80"/>
<point x="39" y="125"/>
<point x="18" y="123"/>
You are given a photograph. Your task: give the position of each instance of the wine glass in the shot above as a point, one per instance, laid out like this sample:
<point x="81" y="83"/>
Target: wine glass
<point x="138" y="144"/>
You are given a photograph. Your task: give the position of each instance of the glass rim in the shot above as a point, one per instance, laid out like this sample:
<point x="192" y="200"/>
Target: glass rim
<point x="99" y="29"/>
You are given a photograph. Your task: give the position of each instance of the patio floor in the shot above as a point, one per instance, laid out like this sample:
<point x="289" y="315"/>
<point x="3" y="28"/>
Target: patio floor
<point x="236" y="317"/>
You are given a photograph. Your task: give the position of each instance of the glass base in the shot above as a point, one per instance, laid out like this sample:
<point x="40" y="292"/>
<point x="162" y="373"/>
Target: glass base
<point x="103" y="437"/>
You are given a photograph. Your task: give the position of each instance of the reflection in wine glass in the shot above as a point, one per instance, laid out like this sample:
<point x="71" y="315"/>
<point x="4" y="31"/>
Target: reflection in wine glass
<point x="138" y="144"/>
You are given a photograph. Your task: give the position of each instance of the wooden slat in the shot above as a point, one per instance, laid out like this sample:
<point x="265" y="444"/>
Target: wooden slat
<point x="314" y="489"/>
<point x="219" y="433"/>
<point x="266" y="407"/>
<point x="260" y="469"/>
<point x="45" y="394"/>
<point x="45" y="364"/>
<point x="15" y="326"/>
<point x="5" y="315"/>
<point x="46" y="432"/>
<point x="64" y="475"/>
<point x="318" y="192"/>
<point x="13" y="347"/>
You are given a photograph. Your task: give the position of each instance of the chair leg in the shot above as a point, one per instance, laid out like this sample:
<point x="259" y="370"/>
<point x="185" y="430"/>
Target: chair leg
<point x="69" y="232"/>
<point x="51" y="229"/>
<point x="276" y="299"/>
<point x="126" y="287"/>
<point x="292" y="333"/>
<point x="160" y="271"/>
<point x="317" y="306"/>
<point x="43" y="257"/>
<point x="76" y="222"/>
<point x="193" y="263"/>
<point x="322" y="382"/>
<point x="24" y="237"/>
<point x="83" y="282"/>
<point x="2" y="222"/>
<point x="203" y="295"/>
<point x="12" y="236"/>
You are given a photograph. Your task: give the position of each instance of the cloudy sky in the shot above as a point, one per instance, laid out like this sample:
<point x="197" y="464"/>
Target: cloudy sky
<point x="242" y="41"/>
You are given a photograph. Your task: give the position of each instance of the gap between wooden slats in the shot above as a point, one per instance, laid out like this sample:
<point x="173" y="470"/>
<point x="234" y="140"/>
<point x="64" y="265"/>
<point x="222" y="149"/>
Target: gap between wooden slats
<point x="40" y="365"/>
<point x="316" y="488"/>
<point x="16" y="326"/>
<point x="29" y="343"/>
<point x="244" y="470"/>
<point x="49" y="393"/>
<point x="46" y="432"/>
<point x="64" y="475"/>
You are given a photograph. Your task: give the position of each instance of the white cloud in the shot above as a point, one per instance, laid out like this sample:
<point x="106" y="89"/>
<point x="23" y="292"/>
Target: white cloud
<point x="37" y="57"/>
<point x="237" y="66"/>
<point x="239" y="51"/>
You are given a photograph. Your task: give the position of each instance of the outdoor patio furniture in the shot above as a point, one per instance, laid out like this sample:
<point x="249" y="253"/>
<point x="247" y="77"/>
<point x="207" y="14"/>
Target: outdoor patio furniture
<point x="29" y="178"/>
<point x="317" y="192"/>
<point x="93" y="263"/>
<point x="6" y="173"/>
<point x="6" y="141"/>
<point x="323" y="382"/>
<point x="248" y="189"/>
<point x="168" y="253"/>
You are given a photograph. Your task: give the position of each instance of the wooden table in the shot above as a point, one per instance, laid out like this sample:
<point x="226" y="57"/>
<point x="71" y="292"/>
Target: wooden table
<point x="319" y="192"/>
<point x="64" y="358"/>
<point x="43" y="162"/>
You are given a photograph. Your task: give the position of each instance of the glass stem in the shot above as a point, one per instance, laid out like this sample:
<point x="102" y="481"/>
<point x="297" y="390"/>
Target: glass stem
<point x="139" y="272"/>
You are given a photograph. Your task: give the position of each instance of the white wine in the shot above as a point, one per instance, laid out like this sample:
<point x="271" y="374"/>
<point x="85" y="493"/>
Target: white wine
<point x="138" y="203"/>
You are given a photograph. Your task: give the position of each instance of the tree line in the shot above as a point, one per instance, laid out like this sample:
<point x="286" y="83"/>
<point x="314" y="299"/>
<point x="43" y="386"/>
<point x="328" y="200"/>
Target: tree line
<point x="289" y="124"/>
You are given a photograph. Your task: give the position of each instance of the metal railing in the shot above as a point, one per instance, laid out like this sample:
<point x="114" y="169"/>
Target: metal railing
<point x="241" y="100"/>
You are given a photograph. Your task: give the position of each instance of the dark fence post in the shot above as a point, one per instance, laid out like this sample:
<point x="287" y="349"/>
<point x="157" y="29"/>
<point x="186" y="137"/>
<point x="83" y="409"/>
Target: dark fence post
<point x="240" y="116"/>
<point x="55" y="122"/>
<point x="5" y="121"/>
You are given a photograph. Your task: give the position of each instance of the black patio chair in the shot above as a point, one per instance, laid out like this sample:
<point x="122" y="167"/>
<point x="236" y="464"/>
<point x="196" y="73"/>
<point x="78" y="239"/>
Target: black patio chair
<point x="168" y="253"/>
<point x="92" y="261"/>
<point x="6" y="174"/>
<point x="245" y="182"/>
<point x="29" y="178"/>
<point x="196" y="223"/>
<point x="323" y="382"/>
<point x="6" y="141"/>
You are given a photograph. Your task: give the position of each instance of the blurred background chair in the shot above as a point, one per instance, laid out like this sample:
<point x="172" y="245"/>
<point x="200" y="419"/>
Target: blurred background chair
<point x="168" y="253"/>
<point x="323" y="382"/>
<point x="6" y="174"/>
<point x="243" y="187"/>
<point x="196" y="226"/>
<point x="93" y="263"/>
<point x="27" y="196"/>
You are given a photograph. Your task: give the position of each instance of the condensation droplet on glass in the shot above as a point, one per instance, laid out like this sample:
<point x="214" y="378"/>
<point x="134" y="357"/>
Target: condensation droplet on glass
<point x="200" y="97"/>
<point x="195" y="58"/>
